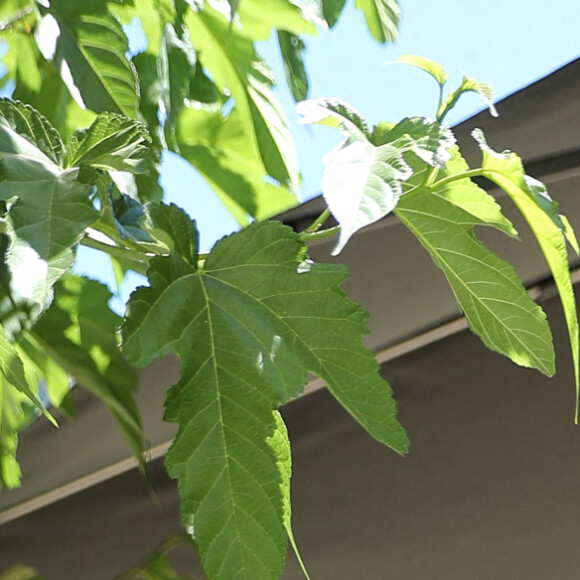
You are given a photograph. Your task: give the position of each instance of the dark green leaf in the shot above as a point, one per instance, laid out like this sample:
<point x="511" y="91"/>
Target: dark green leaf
<point x="292" y="49"/>
<point x="489" y="292"/>
<point x="382" y="18"/>
<point x="90" y="53"/>
<point x="332" y="9"/>
<point x="247" y="329"/>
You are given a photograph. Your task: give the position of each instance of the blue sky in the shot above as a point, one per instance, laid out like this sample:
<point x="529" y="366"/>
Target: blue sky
<point x="508" y="44"/>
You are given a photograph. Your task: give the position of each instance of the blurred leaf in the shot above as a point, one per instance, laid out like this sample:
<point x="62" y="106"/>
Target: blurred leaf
<point x="292" y="48"/>
<point x="382" y="18"/>
<point x="79" y="331"/>
<point x="247" y="329"/>
<point x="90" y="54"/>
<point x="20" y="572"/>
<point x="332" y="9"/>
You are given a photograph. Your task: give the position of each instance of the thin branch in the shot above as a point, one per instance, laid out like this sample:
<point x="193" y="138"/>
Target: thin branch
<point x="26" y="11"/>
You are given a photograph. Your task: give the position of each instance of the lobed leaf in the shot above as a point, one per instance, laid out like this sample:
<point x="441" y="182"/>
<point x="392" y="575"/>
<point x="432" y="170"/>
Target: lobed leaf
<point x="548" y="226"/>
<point x="488" y="291"/>
<point x="49" y="210"/>
<point x="248" y="328"/>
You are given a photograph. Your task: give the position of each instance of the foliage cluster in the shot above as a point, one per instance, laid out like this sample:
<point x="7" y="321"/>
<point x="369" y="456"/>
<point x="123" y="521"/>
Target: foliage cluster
<point x="80" y="148"/>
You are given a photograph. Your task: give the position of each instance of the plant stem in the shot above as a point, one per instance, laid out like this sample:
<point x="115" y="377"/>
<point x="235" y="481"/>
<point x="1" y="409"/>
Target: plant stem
<point x="139" y="261"/>
<point x="457" y="177"/>
<point x="4" y="24"/>
<point x="307" y="236"/>
<point x="319" y="222"/>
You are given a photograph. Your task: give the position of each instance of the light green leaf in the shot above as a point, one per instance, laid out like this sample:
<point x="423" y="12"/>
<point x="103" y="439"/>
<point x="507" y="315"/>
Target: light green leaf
<point x="382" y="18"/>
<point x="222" y="152"/>
<point x="336" y="114"/>
<point x="292" y="49"/>
<point x="34" y="127"/>
<point x="49" y="210"/>
<point x="467" y="85"/>
<point x="90" y="55"/>
<point x="12" y="369"/>
<point x="362" y="184"/>
<point x="496" y="305"/>
<point x="247" y="329"/>
<point x="471" y="198"/>
<point x="112" y="142"/>
<point x="79" y="332"/>
<point x="280" y="444"/>
<point x="532" y="199"/>
<point x="231" y="60"/>
<point x="429" y="66"/>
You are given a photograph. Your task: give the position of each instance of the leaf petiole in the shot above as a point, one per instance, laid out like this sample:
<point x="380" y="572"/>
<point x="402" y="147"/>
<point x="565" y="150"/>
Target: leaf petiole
<point x="307" y="236"/>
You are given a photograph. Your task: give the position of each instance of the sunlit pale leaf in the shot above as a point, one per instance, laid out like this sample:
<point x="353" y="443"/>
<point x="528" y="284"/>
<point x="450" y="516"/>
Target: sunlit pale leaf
<point x="89" y="51"/>
<point x="488" y="291"/>
<point x="336" y="114"/>
<point x="429" y="66"/>
<point x="467" y="85"/>
<point x="112" y="142"/>
<point x="541" y="213"/>
<point x="382" y="18"/>
<point x="247" y="329"/>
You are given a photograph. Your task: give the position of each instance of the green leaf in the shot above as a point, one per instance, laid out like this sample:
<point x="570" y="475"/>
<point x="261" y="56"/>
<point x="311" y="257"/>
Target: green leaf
<point x="221" y="151"/>
<point x="34" y="127"/>
<point x="231" y="60"/>
<point x="79" y="332"/>
<point x="496" y="305"/>
<point x="382" y="18"/>
<point x="467" y="85"/>
<point x="90" y="53"/>
<point x="332" y="9"/>
<point x="292" y="49"/>
<point x="471" y="198"/>
<point x="247" y="329"/>
<point x="532" y="199"/>
<point x="48" y="218"/>
<point x="112" y="142"/>
<point x="336" y="114"/>
<point x="280" y="444"/>
<point x="429" y="66"/>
